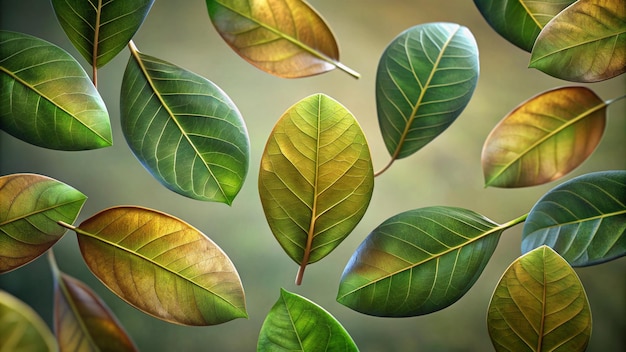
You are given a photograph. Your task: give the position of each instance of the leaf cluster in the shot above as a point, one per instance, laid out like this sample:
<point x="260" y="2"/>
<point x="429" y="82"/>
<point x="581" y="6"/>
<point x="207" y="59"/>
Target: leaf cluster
<point x="316" y="176"/>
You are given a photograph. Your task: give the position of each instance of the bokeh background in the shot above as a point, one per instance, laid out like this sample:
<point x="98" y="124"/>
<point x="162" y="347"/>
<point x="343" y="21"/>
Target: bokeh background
<point x="445" y="172"/>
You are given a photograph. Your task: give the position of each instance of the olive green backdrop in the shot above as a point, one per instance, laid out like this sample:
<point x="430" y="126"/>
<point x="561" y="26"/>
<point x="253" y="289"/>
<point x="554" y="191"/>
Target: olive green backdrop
<point x="445" y="172"/>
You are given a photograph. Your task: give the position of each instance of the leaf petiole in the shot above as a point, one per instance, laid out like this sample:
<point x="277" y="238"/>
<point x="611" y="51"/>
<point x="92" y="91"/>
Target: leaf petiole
<point x="609" y="102"/>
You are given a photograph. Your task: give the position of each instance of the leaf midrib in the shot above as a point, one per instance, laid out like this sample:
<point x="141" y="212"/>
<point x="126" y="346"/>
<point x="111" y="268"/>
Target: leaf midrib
<point x="136" y="54"/>
<point x="540" y="141"/>
<point x="535" y="60"/>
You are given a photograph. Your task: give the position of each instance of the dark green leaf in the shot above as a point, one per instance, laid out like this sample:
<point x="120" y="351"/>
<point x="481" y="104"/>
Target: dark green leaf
<point x="162" y="266"/>
<point x="520" y="21"/>
<point x="425" y="79"/>
<point x="584" y="43"/>
<point x="297" y="324"/>
<point x="584" y="219"/>
<point x="286" y="38"/>
<point x="539" y="305"/>
<point x="30" y="208"/>
<point x="82" y="321"/>
<point x="46" y="98"/>
<point x="316" y="178"/>
<point x="184" y="129"/>
<point x="100" y="29"/>
<point x="418" y="262"/>
<point x="21" y="329"/>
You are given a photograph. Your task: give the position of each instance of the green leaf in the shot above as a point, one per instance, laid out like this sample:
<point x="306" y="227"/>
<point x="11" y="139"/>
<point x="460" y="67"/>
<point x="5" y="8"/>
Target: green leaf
<point x="425" y="78"/>
<point x="297" y="324"/>
<point x="316" y="178"/>
<point x="584" y="219"/>
<point x="162" y="266"/>
<point x="30" y="208"/>
<point x="584" y="43"/>
<point x="285" y="38"/>
<point x="419" y="261"/>
<point x="544" y="138"/>
<point x="539" y="305"/>
<point x="21" y="329"/>
<point x="99" y="30"/>
<point x="520" y="21"/>
<point x="184" y="129"/>
<point x="47" y="99"/>
<point x="82" y="321"/>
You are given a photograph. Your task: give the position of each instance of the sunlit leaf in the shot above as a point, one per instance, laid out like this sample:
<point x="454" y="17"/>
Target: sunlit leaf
<point x="539" y="305"/>
<point x="82" y="321"/>
<point x="544" y="138"/>
<point x="21" y="329"/>
<point x="520" y="21"/>
<point x="584" y="43"/>
<point x="584" y="219"/>
<point x="100" y="29"/>
<point x="418" y="262"/>
<point x="425" y="79"/>
<point x="46" y="98"/>
<point x="316" y="178"/>
<point x="297" y="324"/>
<point x="30" y="208"/>
<point x="184" y="129"/>
<point x="286" y="38"/>
<point x="162" y="266"/>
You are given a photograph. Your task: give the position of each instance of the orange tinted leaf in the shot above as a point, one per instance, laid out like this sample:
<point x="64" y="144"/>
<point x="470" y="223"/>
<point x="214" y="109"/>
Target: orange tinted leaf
<point x="162" y="266"/>
<point x="286" y="38"/>
<point x="544" y="138"/>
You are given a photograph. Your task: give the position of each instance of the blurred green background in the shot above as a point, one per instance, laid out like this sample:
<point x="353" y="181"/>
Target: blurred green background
<point x="445" y="172"/>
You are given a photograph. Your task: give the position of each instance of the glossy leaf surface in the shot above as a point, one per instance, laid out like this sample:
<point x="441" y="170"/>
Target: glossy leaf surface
<point x="47" y="99"/>
<point x="100" y="29"/>
<point x="30" y="208"/>
<point x="584" y="219"/>
<point x="296" y="324"/>
<point x="425" y="79"/>
<point x="21" y="329"/>
<point x="286" y="38"/>
<point x="162" y="266"/>
<point x="184" y="129"/>
<point x="520" y="21"/>
<point x="539" y="305"/>
<point x="418" y="262"/>
<point x="584" y="43"/>
<point x="82" y="321"/>
<point x="544" y="138"/>
<point x="316" y="178"/>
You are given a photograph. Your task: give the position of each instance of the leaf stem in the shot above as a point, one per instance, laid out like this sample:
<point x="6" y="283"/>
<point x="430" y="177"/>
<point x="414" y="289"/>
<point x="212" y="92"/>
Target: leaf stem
<point x="514" y="222"/>
<point x="609" y="102"/>
<point x="379" y="172"/>
<point x="66" y="225"/>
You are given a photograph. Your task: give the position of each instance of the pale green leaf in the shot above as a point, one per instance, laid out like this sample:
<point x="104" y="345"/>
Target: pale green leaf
<point x="21" y="329"/>
<point x="539" y="305"/>
<point x="316" y="178"/>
